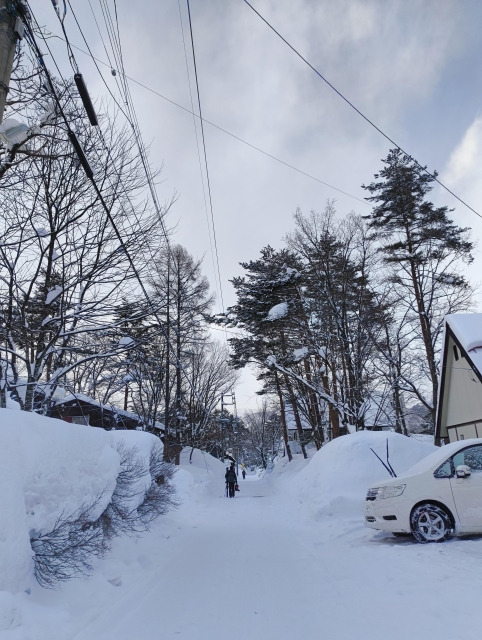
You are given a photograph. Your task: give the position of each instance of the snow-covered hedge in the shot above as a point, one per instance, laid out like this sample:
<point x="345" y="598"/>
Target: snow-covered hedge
<point x="61" y="480"/>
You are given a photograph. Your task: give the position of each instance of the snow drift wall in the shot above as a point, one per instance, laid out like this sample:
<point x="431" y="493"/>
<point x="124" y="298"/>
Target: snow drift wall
<point x="48" y="469"/>
<point x="337" y="477"/>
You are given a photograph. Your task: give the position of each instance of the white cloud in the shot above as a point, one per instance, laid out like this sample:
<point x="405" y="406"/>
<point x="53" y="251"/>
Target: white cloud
<point x="464" y="168"/>
<point x="463" y="175"/>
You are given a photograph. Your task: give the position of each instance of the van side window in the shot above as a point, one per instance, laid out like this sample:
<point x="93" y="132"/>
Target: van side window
<point x="472" y="457"/>
<point x="446" y="470"/>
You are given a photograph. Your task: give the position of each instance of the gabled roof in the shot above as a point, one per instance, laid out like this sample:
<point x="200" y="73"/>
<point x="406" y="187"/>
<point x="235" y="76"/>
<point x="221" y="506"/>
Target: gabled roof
<point x="73" y="400"/>
<point x="467" y="329"/>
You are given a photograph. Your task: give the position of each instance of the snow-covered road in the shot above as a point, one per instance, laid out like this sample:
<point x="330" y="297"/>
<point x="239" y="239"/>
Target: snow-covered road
<point x="242" y="565"/>
<point x="261" y="567"/>
<point x="253" y="566"/>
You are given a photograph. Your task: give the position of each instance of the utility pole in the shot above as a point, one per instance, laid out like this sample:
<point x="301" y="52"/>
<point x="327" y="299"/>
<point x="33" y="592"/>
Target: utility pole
<point x="11" y="29"/>
<point x="233" y="420"/>
<point x="178" y="366"/>
<point x="167" y="453"/>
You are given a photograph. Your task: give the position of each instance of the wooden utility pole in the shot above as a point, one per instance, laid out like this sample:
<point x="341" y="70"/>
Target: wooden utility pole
<point x="11" y="29"/>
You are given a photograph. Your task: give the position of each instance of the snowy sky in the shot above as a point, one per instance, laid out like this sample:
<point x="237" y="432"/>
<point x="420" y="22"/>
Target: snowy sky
<point x="412" y="66"/>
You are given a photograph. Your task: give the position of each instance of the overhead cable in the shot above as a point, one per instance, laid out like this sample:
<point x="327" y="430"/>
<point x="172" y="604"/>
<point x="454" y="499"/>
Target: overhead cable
<point x="32" y="40"/>
<point x="205" y="154"/>
<point x="197" y="146"/>
<point x="205" y="120"/>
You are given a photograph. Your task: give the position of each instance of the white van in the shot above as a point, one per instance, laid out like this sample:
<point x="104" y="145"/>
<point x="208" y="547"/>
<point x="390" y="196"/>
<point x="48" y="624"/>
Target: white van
<point x="439" y="496"/>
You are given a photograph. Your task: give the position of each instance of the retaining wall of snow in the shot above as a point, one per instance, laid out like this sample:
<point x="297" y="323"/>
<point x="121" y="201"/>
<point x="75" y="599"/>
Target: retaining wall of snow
<point x="335" y="481"/>
<point x="50" y="468"/>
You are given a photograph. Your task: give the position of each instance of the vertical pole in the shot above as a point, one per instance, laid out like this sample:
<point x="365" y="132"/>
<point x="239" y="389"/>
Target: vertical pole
<point x="167" y="454"/>
<point x="126" y="395"/>
<point x="222" y="427"/>
<point x="283" y="417"/>
<point x="178" y="365"/>
<point x="8" y="41"/>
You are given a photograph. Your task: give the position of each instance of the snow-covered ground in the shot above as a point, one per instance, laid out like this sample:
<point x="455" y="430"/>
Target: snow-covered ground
<point x="287" y="558"/>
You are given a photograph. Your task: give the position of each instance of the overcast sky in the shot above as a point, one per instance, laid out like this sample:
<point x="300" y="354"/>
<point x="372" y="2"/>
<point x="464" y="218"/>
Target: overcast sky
<point x="412" y="66"/>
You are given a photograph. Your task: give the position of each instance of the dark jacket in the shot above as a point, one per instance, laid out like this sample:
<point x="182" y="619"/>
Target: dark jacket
<point x="231" y="476"/>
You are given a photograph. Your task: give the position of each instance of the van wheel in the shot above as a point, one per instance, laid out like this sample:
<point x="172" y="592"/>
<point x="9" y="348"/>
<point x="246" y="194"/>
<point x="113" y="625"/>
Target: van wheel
<point x="431" y="523"/>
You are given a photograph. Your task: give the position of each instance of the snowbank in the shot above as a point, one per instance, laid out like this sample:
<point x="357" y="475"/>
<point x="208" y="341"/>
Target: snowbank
<point x="336" y="479"/>
<point x="199" y="474"/>
<point x="48" y="469"/>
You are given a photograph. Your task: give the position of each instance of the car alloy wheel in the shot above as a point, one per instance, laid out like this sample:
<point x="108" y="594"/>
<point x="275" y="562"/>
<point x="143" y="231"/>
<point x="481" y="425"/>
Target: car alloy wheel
<point x="430" y="523"/>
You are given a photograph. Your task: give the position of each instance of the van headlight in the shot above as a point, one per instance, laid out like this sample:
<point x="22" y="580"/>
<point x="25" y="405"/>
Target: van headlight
<point x="381" y="493"/>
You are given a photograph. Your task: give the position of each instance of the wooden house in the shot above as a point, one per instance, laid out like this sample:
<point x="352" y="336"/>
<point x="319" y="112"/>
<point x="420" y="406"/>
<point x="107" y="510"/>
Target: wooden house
<point x="80" y="409"/>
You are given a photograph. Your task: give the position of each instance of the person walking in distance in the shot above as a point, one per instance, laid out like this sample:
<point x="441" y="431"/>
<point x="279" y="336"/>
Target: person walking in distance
<point x="231" y="480"/>
<point x="244" y="474"/>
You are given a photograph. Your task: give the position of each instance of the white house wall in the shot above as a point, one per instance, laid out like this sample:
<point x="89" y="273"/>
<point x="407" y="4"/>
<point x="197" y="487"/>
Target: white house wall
<point x="462" y="394"/>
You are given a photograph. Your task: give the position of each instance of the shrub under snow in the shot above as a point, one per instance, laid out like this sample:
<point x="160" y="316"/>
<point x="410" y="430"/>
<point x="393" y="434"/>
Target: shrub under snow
<point x="67" y="490"/>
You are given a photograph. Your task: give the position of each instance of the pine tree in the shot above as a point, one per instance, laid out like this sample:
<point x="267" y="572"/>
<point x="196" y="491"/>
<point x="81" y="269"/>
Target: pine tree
<point x="423" y="247"/>
<point x="269" y="308"/>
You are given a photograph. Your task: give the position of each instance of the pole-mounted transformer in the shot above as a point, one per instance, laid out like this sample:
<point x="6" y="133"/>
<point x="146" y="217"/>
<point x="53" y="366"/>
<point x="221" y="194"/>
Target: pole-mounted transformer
<point x="85" y="97"/>
<point x="81" y="155"/>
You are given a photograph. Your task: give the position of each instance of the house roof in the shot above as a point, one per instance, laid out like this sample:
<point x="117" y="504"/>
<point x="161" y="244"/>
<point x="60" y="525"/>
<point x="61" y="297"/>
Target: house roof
<point x="467" y="328"/>
<point x="80" y="397"/>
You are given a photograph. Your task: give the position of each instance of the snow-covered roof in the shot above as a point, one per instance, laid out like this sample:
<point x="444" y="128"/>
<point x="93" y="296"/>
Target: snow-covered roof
<point x="96" y="403"/>
<point x="467" y="328"/>
<point x="80" y="396"/>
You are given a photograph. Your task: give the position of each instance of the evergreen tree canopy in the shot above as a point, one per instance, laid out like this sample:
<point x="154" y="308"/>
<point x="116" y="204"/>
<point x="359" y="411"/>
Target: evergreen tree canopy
<point x="410" y="226"/>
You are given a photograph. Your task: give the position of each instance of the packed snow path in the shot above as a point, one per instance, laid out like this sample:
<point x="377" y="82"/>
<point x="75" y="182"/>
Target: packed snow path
<point x="252" y="566"/>
<point x="287" y="558"/>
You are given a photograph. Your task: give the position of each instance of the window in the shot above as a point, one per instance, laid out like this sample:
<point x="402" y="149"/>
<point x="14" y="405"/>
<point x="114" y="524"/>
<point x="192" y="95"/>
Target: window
<point x="446" y="470"/>
<point x="472" y="457"/>
<point x="80" y="419"/>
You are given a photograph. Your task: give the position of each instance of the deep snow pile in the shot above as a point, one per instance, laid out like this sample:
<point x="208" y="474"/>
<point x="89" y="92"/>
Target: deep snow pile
<point x="337" y="477"/>
<point x="50" y="469"/>
<point x="199" y="474"/>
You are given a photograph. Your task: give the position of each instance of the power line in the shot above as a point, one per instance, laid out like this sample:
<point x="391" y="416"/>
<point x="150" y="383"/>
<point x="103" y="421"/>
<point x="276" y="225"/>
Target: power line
<point x="197" y="144"/>
<point x="94" y="59"/>
<point x="370" y="122"/>
<point x="136" y="129"/>
<point x="90" y="175"/>
<point x="206" y="121"/>
<point x="205" y="154"/>
<point x="114" y="39"/>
